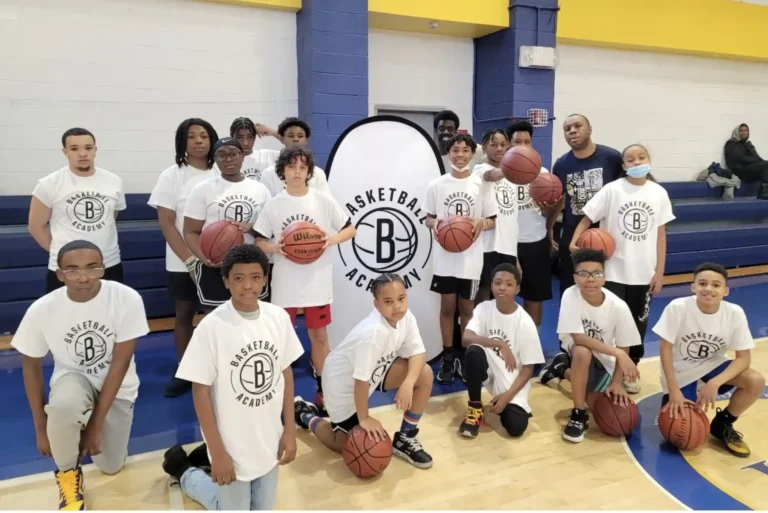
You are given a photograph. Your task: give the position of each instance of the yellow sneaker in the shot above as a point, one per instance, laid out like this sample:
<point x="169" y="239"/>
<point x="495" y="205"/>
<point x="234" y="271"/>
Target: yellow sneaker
<point x="734" y="442"/>
<point x="70" y="489"/>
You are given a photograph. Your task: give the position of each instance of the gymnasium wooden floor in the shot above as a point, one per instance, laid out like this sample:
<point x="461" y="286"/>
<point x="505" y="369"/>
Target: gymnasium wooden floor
<point x="539" y="471"/>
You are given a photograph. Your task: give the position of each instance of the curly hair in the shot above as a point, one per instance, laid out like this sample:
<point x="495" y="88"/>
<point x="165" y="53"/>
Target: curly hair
<point x="291" y="156"/>
<point x="244" y="254"/>
<point x="289" y="122"/>
<point x="465" y="138"/>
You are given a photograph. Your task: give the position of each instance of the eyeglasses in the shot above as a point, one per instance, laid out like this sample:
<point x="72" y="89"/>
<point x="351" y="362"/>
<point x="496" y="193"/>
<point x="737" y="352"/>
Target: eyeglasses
<point x="73" y="274"/>
<point x="598" y="275"/>
<point x="232" y="155"/>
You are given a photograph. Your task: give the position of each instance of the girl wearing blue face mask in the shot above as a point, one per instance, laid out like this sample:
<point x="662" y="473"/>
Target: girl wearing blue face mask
<point x="634" y="210"/>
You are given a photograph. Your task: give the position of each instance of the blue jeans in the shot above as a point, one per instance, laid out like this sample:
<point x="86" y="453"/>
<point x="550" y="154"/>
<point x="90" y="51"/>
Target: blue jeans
<point x="259" y="494"/>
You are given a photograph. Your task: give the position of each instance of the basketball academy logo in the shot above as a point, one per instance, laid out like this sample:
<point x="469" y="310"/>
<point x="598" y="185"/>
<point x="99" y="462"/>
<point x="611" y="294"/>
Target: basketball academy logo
<point x="524" y="200"/>
<point x="296" y="218"/>
<point x="592" y="330"/>
<point x="238" y="207"/>
<point x="459" y="204"/>
<point x="505" y="197"/>
<point x="255" y="374"/>
<point x="391" y="237"/>
<point x="88" y="346"/>
<point x="501" y="337"/>
<point x="636" y="220"/>
<point x="252" y="173"/>
<point x="382" y="366"/>
<point x="699" y="346"/>
<point x="87" y="211"/>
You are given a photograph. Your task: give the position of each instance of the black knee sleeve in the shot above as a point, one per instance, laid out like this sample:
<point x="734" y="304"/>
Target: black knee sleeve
<point x="514" y="419"/>
<point x="475" y="371"/>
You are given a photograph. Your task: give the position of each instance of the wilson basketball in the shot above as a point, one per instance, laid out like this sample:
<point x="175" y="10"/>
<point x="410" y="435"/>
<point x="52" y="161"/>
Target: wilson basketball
<point x="599" y="239"/>
<point x="688" y="432"/>
<point x="218" y="238"/>
<point x="546" y="188"/>
<point x="615" y="419"/>
<point x="364" y="456"/>
<point x="303" y="242"/>
<point x="521" y="165"/>
<point x="455" y="234"/>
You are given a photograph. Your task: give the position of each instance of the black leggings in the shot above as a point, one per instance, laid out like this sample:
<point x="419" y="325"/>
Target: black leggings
<point x="513" y="418"/>
<point x="757" y="172"/>
<point x="638" y="299"/>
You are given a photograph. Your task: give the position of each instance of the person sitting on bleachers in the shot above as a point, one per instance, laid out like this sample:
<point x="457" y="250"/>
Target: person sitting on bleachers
<point x="742" y="159"/>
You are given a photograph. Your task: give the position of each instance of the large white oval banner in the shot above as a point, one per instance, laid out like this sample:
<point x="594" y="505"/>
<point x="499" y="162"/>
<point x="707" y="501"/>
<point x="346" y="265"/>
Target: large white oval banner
<point x="378" y="171"/>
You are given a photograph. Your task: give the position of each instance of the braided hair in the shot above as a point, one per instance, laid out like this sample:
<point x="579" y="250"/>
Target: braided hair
<point x="383" y="279"/>
<point x="242" y="123"/>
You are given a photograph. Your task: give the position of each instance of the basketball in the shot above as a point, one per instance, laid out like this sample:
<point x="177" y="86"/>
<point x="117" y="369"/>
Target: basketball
<point x="521" y="165"/>
<point x="365" y="457"/>
<point x="546" y="188"/>
<point x="615" y="419"/>
<point x="455" y="234"/>
<point x="599" y="239"/>
<point x="218" y="238"/>
<point x="688" y="432"/>
<point x="303" y="242"/>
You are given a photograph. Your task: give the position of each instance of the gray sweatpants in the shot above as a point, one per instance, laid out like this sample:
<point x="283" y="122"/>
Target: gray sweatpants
<point x="69" y="408"/>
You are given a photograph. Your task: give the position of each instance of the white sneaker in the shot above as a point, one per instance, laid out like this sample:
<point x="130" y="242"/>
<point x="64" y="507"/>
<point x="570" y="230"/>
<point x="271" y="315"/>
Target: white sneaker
<point x="632" y="387"/>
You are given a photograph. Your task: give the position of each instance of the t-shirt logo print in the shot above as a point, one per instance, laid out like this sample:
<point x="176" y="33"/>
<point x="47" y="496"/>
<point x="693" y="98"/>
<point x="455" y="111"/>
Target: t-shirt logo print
<point x="382" y="366"/>
<point x="87" y="346"/>
<point x="699" y="346"/>
<point x="391" y="237"/>
<point x="496" y="334"/>
<point x="635" y="220"/>
<point x="582" y="186"/>
<point x="505" y="197"/>
<point x="237" y="208"/>
<point x="86" y="211"/>
<point x="524" y="198"/>
<point x="592" y="330"/>
<point x="254" y="373"/>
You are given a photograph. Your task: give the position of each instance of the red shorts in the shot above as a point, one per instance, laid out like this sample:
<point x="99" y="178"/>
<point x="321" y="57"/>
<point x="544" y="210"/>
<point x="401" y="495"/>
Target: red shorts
<point x="315" y="317"/>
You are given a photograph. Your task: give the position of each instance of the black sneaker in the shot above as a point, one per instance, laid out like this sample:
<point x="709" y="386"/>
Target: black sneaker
<point x="457" y="370"/>
<point x="447" y="370"/>
<point x="555" y="369"/>
<point x="732" y="439"/>
<point x="577" y="426"/>
<point x="473" y="419"/>
<point x="176" y="462"/>
<point x="199" y="457"/>
<point x="177" y="387"/>
<point x="409" y="448"/>
<point x="300" y="407"/>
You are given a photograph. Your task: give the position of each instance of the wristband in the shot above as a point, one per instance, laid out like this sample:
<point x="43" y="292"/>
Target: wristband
<point x="191" y="263"/>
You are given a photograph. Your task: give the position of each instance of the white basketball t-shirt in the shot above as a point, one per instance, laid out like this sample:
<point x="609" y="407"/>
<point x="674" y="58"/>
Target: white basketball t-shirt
<point x="611" y="323"/>
<point x="632" y="215"/>
<point x="82" y="208"/>
<point x="301" y="285"/>
<point x="255" y="163"/>
<point x="449" y="196"/>
<point x="243" y="360"/>
<point x="171" y="192"/>
<point x="366" y="354"/>
<point x="82" y="336"/>
<point x="217" y="199"/>
<point x="273" y="182"/>
<point x="700" y="341"/>
<point x="532" y="223"/>
<point x="519" y="332"/>
<point x="503" y="238"/>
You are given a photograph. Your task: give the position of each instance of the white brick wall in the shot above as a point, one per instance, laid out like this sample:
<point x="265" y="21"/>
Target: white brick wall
<point x="419" y="70"/>
<point x="682" y="108"/>
<point x="130" y="71"/>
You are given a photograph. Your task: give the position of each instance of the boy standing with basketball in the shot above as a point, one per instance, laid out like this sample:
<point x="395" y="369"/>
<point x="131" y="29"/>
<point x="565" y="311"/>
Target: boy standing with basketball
<point x="696" y="334"/>
<point x="456" y="276"/>
<point x="502" y="347"/>
<point x="90" y="327"/>
<point x="239" y="361"/>
<point x="596" y="330"/>
<point x="305" y="286"/>
<point x="383" y="352"/>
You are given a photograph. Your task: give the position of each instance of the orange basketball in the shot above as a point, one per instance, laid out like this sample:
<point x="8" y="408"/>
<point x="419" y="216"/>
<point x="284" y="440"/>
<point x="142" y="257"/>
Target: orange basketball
<point x="218" y="238"/>
<point x="303" y="242"/>
<point x="364" y="456"/>
<point x="455" y="234"/>
<point x="521" y="165"/>
<point x="688" y="432"/>
<point x="546" y="188"/>
<point x="615" y="419"/>
<point x="599" y="239"/>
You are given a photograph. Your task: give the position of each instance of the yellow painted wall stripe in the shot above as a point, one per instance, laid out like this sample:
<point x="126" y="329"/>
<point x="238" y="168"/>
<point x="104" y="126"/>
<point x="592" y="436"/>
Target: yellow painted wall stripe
<point x="492" y="13"/>
<point x="718" y="28"/>
<point x="283" y="5"/>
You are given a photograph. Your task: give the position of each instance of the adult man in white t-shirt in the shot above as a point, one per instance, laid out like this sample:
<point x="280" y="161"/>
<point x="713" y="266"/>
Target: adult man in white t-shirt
<point x="90" y="327"/>
<point x="696" y="334"/>
<point x="596" y="330"/>
<point x="78" y="202"/>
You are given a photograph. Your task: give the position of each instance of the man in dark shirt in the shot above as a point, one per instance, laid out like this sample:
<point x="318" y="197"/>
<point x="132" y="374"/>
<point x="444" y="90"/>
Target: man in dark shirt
<point x="583" y="171"/>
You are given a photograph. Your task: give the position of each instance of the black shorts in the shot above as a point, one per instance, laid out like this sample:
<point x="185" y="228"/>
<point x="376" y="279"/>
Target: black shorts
<point x="114" y="273"/>
<point x="466" y="289"/>
<point x="537" y="273"/>
<point x="346" y="425"/>
<point x="181" y="287"/>
<point x="490" y="261"/>
<point x="211" y="291"/>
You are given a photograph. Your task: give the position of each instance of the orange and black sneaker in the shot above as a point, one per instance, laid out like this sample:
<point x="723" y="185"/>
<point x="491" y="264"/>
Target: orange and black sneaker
<point x="722" y="429"/>
<point x="473" y="419"/>
<point x="70" y="489"/>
